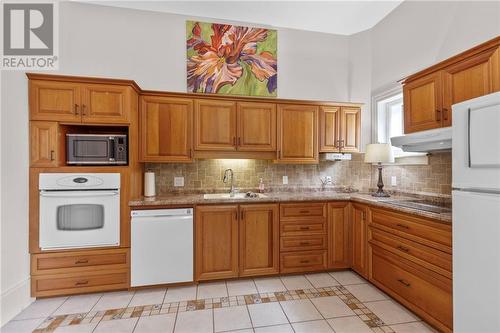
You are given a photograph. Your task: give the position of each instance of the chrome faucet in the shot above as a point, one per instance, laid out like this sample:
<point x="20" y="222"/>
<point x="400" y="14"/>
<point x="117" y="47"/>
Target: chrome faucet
<point x="224" y="179"/>
<point x="326" y="181"/>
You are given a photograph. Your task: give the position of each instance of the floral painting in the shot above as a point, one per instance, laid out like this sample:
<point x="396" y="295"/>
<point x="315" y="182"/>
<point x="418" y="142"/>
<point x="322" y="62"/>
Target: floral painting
<point x="229" y="59"/>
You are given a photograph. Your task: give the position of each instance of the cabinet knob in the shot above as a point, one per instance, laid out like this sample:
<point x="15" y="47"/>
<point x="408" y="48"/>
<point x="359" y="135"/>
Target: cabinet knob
<point x="304" y="243"/>
<point x="81" y="261"/>
<point x="52" y="155"/>
<point x="438" y="115"/>
<point x="403" y="226"/>
<point x="304" y="228"/>
<point x="76" y="109"/>
<point x="81" y="283"/>
<point x="404" y="249"/>
<point x="445" y="113"/>
<point x="304" y="261"/>
<point x="403" y="282"/>
<point x="83" y="110"/>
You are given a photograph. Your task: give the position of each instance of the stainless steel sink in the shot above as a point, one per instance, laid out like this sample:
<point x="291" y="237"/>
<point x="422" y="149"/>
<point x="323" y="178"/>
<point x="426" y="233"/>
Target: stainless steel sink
<point x="227" y="196"/>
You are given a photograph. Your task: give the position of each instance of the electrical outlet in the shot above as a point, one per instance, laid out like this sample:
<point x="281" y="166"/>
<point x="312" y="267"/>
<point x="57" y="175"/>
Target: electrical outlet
<point x="285" y="180"/>
<point x="329" y="179"/>
<point x="394" y="181"/>
<point x="179" y="181"/>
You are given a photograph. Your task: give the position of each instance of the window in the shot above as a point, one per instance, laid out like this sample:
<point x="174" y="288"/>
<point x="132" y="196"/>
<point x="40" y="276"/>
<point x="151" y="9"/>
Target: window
<point x="388" y="122"/>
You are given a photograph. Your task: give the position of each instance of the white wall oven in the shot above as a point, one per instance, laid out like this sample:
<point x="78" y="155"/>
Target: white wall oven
<point x="79" y="210"/>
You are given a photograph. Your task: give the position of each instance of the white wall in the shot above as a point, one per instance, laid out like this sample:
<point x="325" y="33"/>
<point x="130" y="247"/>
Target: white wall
<point x="418" y="34"/>
<point x="147" y="47"/>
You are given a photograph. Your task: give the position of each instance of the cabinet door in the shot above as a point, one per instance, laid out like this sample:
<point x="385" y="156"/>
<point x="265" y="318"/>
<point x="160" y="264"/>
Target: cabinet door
<point x="256" y="126"/>
<point x="216" y="242"/>
<point x="215" y="125"/>
<point x="359" y="240"/>
<point x="338" y="235"/>
<point x="468" y="79"/>
<point x="350" y="129"/>
<point x="54" y="101"/>
<point x="422" y="103"/>
<point x="259" y="240"/>
<point x="106" y="104"/>
<point x="298" y="134"/>
<point x="329" y="123"/>
<point x="44" y="144"/>
<point x="166" y="129"/>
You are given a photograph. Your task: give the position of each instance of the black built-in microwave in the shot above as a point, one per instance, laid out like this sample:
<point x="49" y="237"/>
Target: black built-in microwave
<point x="96" y="149"/>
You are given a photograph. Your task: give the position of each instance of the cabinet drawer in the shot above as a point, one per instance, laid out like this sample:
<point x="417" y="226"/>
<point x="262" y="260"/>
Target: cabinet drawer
<point x="301" y="243"/>
<point x="431" y="258"/>
<point x="65" y="284"/>
<point x="433" y="234"/>
<point x="66" y="262"/>
<point x="429" y="297"/>
<point x="307" y="211"/>
<point x="303" y="227"/>
<point x="306" y="261"/>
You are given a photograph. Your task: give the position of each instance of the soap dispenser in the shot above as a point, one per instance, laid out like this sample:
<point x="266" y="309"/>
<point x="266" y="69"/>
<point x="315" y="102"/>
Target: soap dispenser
<point x="261" y="186"/>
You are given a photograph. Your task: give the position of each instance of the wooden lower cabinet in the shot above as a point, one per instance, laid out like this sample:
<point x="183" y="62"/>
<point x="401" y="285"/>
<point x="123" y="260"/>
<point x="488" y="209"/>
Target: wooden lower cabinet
<point x="338" y="235"/>
<point x="303" y="237"/>
<point x="81" y="271"/>
<point x="359" y="215"/>
<point x="216" y="242"/>
<point x="428" y="294"/>
<point x="259" y="240"/>
<point x="410" y="258"/>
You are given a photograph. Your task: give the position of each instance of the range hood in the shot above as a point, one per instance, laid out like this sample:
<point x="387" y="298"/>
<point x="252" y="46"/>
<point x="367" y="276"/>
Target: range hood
<point x="425" y="141"/>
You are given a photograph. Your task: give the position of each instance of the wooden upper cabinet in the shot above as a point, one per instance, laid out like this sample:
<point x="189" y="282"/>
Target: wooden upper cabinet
<point x="166" y="129"/>
<point x="350" y="129"/>
<point x="359" y="239"/>
<point x="256" y="126"/>
<point x="469" y="79"/>
<point x="429" y="95"/>
<point x="298" y="133"/>
<point x="216" y="242"/>
<point x="422" y="103"/>
<point x="215" y="125"/>
<point x="329" y="122"/>
<point x="259" y="240"/>
<point x="104" y="103"/>
<point x="338" y="235"/>
<point x="54" y="101"/>
<point x="44" y="144"/>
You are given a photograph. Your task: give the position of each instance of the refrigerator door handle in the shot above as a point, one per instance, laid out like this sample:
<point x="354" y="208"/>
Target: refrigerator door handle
<point x="468" y="138"/>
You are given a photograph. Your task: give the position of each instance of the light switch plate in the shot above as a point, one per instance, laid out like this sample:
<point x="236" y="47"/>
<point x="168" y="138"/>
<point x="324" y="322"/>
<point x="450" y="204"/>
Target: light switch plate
<point x="179" y="181"/>
<point x="285" y="180"/>
<point x="394" y="181"/>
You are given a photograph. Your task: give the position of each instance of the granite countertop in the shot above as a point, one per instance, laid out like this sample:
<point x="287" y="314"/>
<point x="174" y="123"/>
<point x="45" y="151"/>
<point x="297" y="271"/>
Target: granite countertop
<point x="190" y="199"/>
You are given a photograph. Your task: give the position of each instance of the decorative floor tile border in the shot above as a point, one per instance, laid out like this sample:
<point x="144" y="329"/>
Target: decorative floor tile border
<point x="365" y="314"/>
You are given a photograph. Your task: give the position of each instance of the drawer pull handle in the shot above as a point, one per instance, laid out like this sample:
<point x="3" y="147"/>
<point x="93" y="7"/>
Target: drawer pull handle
<point x="304" y="261"/>
<point x="402" y="226"/>
<point x="406" y="284"/>
<point x="82" y="283"/>
<point x="304" y="212"/>
<point x="304" y="228"/>
<point x="304" y="243"/>
<point x="81" y="261"/>
<point x="404" y="249"/>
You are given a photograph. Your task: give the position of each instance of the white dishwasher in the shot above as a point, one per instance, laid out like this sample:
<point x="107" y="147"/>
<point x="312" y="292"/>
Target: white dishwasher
<point x="162" y="246"/>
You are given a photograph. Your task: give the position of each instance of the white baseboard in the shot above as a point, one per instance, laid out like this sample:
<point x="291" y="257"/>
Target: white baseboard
<point x="14" y="300"/>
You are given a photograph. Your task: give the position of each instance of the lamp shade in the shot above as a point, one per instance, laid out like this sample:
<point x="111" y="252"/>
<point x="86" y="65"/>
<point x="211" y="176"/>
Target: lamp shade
<point x="379" y="153"/>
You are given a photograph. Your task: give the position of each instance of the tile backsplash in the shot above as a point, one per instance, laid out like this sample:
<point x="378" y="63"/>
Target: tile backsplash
<point x="207" y="174"/>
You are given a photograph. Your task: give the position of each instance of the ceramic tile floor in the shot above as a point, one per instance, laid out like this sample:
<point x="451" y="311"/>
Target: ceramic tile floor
<point x="314" y="303"/>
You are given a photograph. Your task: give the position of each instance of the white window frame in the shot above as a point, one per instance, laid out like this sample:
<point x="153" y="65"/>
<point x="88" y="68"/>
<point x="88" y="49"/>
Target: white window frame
<point x="401" y="158"/>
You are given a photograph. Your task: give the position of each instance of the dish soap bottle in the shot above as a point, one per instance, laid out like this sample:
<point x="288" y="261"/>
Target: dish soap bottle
<point x="261" y="186"/>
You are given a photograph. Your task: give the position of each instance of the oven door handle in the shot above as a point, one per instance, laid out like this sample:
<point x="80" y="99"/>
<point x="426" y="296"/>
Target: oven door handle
<point x="79" y="194"/>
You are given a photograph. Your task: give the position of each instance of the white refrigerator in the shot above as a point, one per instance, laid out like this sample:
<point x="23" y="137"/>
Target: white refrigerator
<point x="476" y="215"/>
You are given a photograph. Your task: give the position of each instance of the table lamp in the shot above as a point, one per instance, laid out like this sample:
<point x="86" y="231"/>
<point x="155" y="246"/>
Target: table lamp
<point x="379" y="153"/>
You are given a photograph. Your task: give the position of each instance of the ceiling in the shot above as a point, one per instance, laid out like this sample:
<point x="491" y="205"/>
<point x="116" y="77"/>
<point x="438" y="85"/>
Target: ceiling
<point x="336" y="17"/>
